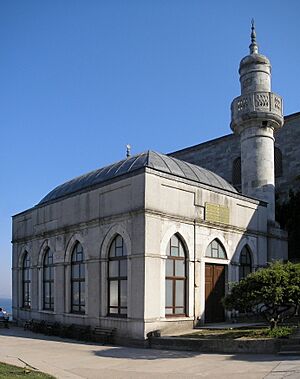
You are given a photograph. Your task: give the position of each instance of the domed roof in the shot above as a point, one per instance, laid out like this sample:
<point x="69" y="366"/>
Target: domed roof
<point x="151" y="159"/>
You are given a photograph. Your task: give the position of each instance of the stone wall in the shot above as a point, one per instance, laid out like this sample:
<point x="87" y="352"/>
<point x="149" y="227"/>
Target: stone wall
<point x="146" y="209"/>
<point x="218" y="155"/>
<point x="287" y="139"/>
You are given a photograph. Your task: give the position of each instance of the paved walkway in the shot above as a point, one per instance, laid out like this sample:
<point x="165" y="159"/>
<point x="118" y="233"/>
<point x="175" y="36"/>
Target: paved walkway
<point x="69" y="359"/>
<point x="231" y="325"/>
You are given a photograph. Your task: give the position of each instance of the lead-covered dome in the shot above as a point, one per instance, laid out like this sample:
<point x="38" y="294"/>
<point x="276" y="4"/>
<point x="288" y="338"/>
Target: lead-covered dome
<point x="126" y="167"/>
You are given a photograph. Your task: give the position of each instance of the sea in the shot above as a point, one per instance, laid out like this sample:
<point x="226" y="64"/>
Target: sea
<point x="6" y="304"/>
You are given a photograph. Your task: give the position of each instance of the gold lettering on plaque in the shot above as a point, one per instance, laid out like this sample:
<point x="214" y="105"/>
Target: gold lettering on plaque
<point x="216" y="213"/>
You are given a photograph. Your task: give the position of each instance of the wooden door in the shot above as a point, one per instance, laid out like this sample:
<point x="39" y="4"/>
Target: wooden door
<point x="214" y="292"/>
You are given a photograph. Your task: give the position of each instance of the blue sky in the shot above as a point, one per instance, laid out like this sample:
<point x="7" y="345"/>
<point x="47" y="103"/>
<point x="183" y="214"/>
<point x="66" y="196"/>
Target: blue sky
<point x="82" y="78"/>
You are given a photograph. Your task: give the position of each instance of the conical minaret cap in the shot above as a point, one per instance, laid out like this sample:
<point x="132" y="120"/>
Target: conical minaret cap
<point x="254" y="58"/>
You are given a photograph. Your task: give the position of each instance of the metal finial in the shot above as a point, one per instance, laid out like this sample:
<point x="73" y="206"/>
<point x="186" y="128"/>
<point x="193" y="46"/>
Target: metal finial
<point x="253" y="47"/>
<point x="253" y="34"/>
<point x="128" y="151"/>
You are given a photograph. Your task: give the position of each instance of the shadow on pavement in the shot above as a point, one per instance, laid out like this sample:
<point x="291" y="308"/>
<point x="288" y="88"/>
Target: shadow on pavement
<point x="142" y="353"/>
<point x="264" y="358"/>
<point x="16" y="331"/>
<point x="106" y="351"/>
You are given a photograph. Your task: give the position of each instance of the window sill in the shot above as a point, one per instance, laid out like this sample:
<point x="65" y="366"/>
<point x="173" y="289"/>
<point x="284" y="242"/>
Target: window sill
<point x="220" y="261"/>
<point x="114" y="318"/>
<point x="47" y="311"/>
<point x="76" y="315"/>
<point x="174" y="318"/>
<point x="117" y="316"/>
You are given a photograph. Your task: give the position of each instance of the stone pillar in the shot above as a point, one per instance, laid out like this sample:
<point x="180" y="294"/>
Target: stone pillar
<point x="257" y="160"/>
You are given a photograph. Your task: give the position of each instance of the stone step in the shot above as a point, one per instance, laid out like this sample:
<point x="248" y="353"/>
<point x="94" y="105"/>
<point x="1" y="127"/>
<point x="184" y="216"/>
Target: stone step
<point x="290" y="347"/>
<point x="291" y="352"/>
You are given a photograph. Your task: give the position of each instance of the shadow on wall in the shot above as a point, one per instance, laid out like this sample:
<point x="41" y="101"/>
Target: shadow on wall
<point x="145" y="354"/>
<point x="217" y="274"/>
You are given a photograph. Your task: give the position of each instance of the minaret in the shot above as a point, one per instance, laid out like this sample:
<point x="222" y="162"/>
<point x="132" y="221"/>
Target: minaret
<point x="255" y="116"/>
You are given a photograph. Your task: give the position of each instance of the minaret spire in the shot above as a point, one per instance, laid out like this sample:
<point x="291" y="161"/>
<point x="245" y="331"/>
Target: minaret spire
<point x="256" y="114"/>
<point x="253" y="47"/>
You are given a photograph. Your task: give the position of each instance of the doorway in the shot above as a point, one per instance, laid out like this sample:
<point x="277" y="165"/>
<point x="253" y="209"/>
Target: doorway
<point x="214" y="292"/>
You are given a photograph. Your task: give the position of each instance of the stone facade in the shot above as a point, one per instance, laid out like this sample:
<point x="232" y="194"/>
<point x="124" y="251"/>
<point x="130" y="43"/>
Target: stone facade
<point x="146" y="208"/>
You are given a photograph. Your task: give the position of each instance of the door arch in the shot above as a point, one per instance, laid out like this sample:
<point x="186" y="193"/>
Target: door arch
<point x="215" y="274"/>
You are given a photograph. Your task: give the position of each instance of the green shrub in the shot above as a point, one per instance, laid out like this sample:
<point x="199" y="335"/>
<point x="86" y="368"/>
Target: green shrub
<point x="272" y="292"/>
<point x="280" y="332"/>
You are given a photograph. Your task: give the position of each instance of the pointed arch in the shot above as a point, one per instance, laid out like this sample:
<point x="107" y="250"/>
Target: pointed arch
<point x="246" y="241"/>
<point x="182" y="235"/>
<point x="26" y="281"/>
<point x="175" y="277"/>
<point x="74" y="303"/>
<point x="78" y="279"/>
<point x="245" y="262"/>
<point x="110" y="236"/>
<point x="48" y="279"/>
<point x="114" y="231"/>
<point x="216" y="276"/>
<point x="24" y="251"/>
<point x="117" y="277"/>
<point x="42" y="252"/>
<point x="71" y="244"/>
<point x="216" y="249"/>
<point x="176" y="246"/>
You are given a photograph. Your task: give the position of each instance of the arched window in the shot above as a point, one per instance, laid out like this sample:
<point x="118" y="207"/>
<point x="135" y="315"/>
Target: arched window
<point x="26" y="281"/>
<point x="215" y="250"/>
<point x="48" y="281"/>
<point x="237" y="174"/>
<point x="175" y="278"/>
<point x="117" y="278"/>
<point x="277" y="162"/>
<point x="77" y="280"/>
<point x="245" y="263"/>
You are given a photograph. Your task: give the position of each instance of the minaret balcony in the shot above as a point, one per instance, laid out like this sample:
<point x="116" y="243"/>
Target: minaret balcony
<point x="257" y="106"/>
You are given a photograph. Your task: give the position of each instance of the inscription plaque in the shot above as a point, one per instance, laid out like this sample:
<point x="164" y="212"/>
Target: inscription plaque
<point x="216" y="213"/>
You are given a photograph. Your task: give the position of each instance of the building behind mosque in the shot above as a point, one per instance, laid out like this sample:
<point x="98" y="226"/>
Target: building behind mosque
<point x="153" y="241"/>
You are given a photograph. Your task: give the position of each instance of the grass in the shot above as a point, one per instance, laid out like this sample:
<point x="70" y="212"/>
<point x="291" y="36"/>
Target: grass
<point x="9" y="371"/>
<point x="242" y="333"/>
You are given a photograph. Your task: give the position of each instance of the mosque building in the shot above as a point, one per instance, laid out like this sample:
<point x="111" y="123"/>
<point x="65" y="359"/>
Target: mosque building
<point x="153" y="241"/>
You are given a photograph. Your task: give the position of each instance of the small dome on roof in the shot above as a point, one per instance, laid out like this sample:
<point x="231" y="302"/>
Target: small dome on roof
<point x="151" y="159"/>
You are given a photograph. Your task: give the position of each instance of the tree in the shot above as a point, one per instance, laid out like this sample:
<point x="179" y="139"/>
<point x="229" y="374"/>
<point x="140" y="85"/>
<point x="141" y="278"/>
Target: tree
<point x="273" y="292"/>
